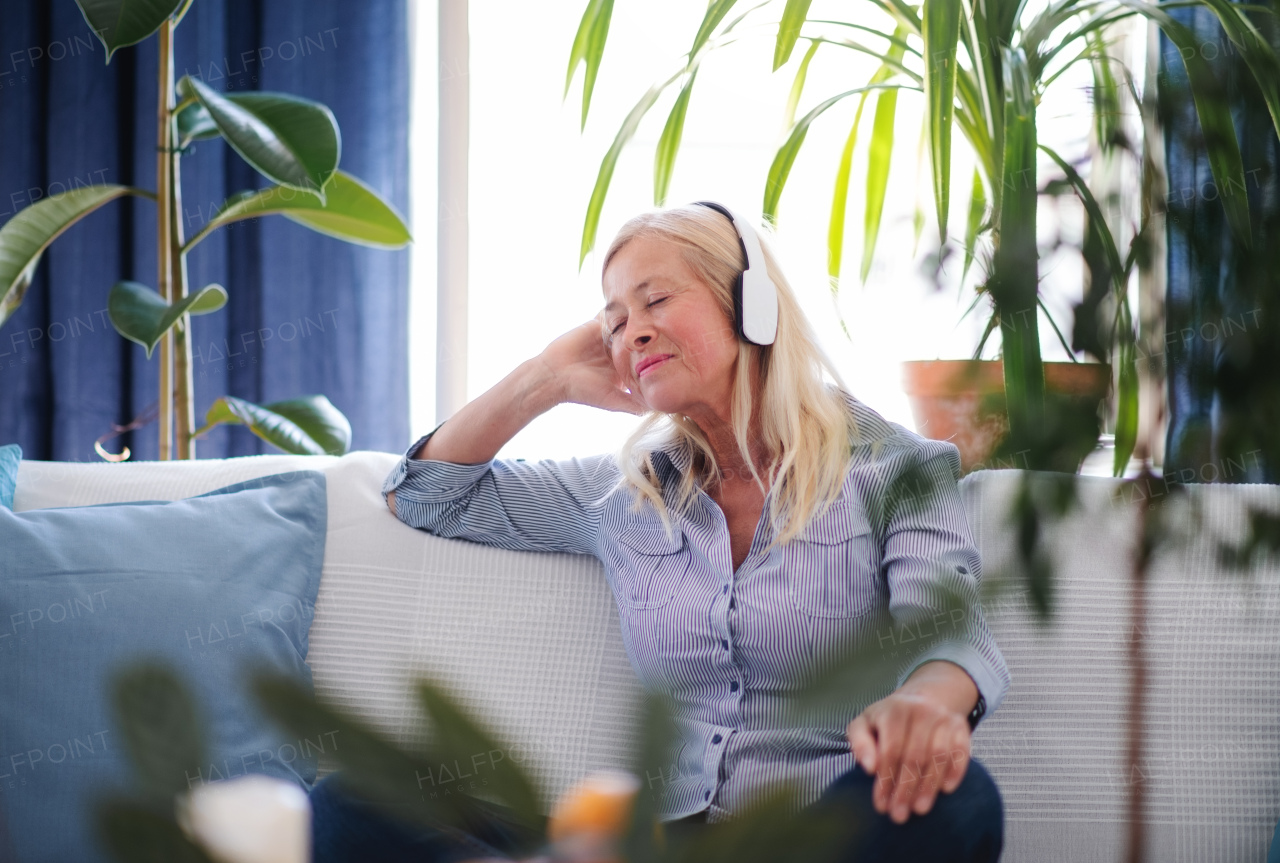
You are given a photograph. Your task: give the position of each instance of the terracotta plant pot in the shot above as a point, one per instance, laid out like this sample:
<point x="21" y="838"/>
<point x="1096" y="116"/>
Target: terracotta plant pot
<point x="962" y="401"/>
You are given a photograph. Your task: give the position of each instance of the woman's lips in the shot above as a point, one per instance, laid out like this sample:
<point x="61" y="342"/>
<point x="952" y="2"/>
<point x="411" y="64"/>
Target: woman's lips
<point x="648" y="365"/>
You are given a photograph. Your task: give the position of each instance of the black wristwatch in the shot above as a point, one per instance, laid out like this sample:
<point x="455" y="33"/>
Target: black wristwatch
<point x="979" y="710"/>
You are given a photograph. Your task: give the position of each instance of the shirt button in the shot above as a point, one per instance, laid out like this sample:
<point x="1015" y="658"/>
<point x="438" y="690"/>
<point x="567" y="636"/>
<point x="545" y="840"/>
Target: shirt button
<point x="716" y="739"/>
<point x="706" y="796"/>
<point x="726" y="588"/>
<point x="733" y="686"/>
<point x="724" y="644"/>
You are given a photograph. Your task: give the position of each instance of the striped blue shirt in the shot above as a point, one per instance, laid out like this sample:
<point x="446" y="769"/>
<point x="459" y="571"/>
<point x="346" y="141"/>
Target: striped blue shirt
<point x="732" y="648"/>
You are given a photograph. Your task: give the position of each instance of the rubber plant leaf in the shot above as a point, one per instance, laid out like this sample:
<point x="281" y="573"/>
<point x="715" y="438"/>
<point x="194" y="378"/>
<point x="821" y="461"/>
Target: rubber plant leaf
<point x="195" y="124"/>
<point x="309" y="425"/>
<point x="24" y="238"/>
<point x="141" y="315"/>
<point x="121" y="23"/>
<point x="291" y="141"/>
<point x="350" y="211"/>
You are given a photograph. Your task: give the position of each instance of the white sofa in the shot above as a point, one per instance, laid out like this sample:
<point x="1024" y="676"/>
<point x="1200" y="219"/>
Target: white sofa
<point x="532" y="642"/>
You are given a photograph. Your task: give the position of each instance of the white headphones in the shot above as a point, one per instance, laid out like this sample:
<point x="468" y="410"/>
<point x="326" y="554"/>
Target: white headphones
<point x="755" y="296"/>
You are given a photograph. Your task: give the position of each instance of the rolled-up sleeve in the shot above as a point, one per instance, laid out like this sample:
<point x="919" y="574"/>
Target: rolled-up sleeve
<point x="933" y="569"/>
<point x="543" y="506"/>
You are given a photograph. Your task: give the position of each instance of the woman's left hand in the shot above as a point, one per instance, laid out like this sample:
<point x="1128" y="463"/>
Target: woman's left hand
<point x="915" y="741"/>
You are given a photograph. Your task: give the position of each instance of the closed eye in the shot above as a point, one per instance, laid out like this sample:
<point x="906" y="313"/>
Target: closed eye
<point x="618" y="325"/>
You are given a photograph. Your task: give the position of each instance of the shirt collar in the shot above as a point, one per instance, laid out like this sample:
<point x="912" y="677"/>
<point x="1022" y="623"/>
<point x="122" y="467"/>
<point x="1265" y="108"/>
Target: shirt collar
<point x="680" y="458"/>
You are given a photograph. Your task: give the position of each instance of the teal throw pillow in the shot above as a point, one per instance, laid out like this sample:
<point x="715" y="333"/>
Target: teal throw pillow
<point x="213" y="586"/>
<point x="10" y="455"/>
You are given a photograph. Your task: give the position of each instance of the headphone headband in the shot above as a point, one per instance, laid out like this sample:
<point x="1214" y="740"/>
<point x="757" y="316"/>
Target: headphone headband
<point x="755" y="296"/>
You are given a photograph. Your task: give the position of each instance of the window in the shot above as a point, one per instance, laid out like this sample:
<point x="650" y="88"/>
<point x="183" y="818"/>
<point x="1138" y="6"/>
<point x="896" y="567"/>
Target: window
<point x="531" y="174"/>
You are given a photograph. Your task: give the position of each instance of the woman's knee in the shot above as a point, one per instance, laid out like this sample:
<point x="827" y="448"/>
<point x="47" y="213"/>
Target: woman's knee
<point x="967" y="824"/>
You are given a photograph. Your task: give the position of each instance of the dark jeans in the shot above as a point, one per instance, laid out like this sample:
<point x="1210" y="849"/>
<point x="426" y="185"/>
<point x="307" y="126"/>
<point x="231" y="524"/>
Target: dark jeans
<point x="966" y="826"/>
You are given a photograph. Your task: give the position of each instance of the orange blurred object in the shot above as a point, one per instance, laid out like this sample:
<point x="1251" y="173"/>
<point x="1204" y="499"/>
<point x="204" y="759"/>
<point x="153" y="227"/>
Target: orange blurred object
<point x="592" y="816"/>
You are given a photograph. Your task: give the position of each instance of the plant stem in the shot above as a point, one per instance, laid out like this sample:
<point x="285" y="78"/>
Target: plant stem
<point x="164" y="230"/>
<point x="1136" y="841"/>
<point x="184" y="397"/>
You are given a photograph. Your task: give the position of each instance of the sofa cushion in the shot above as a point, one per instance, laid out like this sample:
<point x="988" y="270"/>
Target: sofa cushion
<point x="529" y="641"/>
<point x="211" y="585"/>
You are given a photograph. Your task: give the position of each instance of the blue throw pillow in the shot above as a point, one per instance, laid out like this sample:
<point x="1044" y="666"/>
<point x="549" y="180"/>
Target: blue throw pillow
<point x="10" y="455"/>
<point x="213" y="585"/>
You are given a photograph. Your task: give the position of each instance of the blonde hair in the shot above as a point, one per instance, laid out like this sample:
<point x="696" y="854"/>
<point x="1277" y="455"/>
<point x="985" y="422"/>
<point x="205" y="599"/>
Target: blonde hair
<point x="805" y="425"/>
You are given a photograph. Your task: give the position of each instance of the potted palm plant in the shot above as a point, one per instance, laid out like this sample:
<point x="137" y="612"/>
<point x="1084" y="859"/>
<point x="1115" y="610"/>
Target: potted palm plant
<point x="982" y="67"/>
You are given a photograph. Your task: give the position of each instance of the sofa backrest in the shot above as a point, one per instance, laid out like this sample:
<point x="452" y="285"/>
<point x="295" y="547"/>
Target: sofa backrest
<point x="531" y="641"/>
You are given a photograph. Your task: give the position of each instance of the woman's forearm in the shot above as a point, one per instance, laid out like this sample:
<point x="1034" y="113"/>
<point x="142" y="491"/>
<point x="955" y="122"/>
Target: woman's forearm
<point x="475" y="434"/>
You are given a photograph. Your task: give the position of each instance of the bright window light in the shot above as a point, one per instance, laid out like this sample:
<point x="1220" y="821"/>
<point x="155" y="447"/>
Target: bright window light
<point x="532" y="171"/>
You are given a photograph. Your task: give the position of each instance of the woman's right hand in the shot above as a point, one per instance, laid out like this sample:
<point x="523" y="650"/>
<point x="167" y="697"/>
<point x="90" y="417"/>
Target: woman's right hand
<point x="584" y="372"/>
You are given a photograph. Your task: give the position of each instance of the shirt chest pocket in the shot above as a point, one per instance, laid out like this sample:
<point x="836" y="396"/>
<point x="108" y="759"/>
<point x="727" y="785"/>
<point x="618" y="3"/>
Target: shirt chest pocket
<point x="653" y="565"/>
<point x="831" y="566"/>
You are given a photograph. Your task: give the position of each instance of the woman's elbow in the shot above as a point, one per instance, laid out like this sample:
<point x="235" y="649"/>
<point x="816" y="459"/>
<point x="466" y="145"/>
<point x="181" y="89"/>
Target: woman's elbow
<point x="391" y="503"/>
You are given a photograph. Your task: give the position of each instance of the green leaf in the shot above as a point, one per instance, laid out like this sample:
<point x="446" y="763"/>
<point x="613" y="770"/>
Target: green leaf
<point x="457" y="732"/>
<point x="1213" y="107"/>
<point x="786" y="155"/>
<point x="588" y="49"/>
<point x="161" y="728"/>
<point x="24" y="238"/>
<point x="1259" y="56"/>
<point x="195" y="124"/>
<point x="879" y="159"/>
<point x="309" y="425"/>
<point x="793" y="16"/>
<point x="716" y="10"/>
<point x="350" y="211"/>
<point x="397" y="781"/>
<point x="1106" y="96"/>
<point x="652" y="760"/>
<point x="797" y="85"/>
<point x="1097" y="223"/>
<point x="141" y="315"/>
<point x="135" y="833"/>
<point x="591" y="224"/>
<point x="289" y="140"/>
<point x="1126" y="404"/>
<point x="664" y="158"/>
<point x="1015" y="280"/>
<point x="121" y="23"/>
<point x="840" y="200"/>
<point x="977" y="213"/>
<point x="941" y="30"/>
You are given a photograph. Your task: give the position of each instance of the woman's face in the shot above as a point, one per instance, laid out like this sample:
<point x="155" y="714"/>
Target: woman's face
<point x="670" y="341"/>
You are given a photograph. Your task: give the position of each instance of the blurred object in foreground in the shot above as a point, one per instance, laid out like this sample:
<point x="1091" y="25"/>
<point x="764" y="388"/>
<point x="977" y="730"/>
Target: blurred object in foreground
<point x="249" y="819"/>
<point x="588" y="822"/>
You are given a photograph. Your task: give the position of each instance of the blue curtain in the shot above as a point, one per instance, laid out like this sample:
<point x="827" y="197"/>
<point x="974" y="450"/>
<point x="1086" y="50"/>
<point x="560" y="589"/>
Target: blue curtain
<point x="307" y="313"/>
<point x="1223" y="297"/>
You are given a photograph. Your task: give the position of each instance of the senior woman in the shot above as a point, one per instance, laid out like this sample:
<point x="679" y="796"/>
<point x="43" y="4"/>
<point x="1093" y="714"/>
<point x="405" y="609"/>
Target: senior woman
<point x="745" y="529"/>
